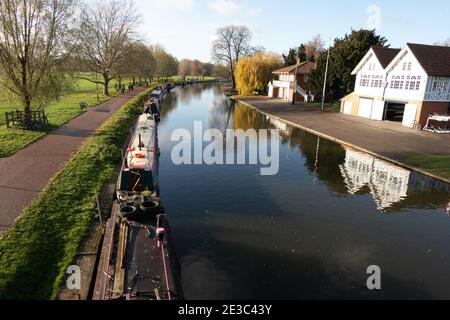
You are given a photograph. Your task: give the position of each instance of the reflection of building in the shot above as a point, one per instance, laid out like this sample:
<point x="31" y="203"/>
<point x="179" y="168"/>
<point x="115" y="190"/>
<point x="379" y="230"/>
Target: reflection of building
<point x="388" y="183"/>
<point x="283" y="127"/>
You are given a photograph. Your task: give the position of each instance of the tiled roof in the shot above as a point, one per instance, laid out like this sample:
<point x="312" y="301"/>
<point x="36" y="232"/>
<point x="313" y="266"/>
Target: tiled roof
<point x="435" y="60"/>
<point x="385" y="55"/>
<point x="303" y="68"/>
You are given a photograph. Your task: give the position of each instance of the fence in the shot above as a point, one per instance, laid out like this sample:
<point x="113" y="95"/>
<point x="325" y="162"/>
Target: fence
<point x="34" y="120"/>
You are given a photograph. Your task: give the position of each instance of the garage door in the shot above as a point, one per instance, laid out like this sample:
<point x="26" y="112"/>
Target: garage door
<point x="348" y="107"/>
<point x="377" y="110"/>
<point x="365" y="107"/>
<point x="409" y="117"/>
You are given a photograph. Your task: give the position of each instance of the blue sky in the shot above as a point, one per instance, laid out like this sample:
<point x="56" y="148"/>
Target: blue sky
<point x="186" y="27"/>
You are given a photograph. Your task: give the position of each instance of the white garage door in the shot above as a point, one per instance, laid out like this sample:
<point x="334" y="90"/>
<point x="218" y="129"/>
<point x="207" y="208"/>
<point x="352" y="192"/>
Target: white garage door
<point x="377" y="110"/>
<point x="348" y="107"/>
<point x="409" y="117"/>
<point x="365" y="107"/>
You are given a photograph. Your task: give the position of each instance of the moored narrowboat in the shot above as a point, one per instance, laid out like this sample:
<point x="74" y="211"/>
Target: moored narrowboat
<point x="138" y="261"/>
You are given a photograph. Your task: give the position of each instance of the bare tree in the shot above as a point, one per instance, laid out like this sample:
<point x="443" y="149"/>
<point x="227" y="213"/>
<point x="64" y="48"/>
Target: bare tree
<point x="314" y="47"/>
<point x="105" y="30"/>
<point x="166" y="64"/>
<point x="33" y="43"/>
<point x="231" y="44"/>
<point x="184" y="67"/>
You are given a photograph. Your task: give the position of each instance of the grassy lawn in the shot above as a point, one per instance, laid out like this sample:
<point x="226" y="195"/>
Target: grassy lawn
<point x="36" y="251"/>
<point x="58" y="113"/>
<point x="438" y="165"/>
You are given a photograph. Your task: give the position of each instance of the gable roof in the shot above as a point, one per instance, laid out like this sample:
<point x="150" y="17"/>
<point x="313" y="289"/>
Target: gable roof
<point x="385" y="55"/>
<point x="435" y="60"/>
<point x="303" y="68"/>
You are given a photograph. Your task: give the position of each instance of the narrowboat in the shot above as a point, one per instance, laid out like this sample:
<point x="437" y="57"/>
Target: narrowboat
<point x="138" y="261"/>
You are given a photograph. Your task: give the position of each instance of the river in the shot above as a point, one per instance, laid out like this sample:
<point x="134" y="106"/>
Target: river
<point x="309" y="232"/>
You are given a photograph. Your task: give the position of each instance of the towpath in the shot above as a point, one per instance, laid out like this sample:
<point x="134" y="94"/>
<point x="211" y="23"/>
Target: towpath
<point x="25" y="174"/>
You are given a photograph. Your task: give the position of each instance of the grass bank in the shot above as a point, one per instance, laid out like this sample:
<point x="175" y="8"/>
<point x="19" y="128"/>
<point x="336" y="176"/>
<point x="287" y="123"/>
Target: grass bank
<point x="58" y="113"/>
<point x="434" y="164"/>
<point x="36" y="251"/>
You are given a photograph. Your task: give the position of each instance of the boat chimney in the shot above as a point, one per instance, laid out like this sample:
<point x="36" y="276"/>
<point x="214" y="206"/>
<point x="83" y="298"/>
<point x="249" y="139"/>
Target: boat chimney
<point x="140" y="143"/>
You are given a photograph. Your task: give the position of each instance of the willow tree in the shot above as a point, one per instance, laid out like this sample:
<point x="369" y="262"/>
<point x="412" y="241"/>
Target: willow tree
<point x="254" y="73"/>
<point x="106" y="28"/>
<point x="34" y="43"/>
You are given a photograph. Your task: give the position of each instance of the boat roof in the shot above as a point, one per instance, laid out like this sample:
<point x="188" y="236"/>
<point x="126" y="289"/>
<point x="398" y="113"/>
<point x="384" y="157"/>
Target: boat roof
<point x="141" y="157"/>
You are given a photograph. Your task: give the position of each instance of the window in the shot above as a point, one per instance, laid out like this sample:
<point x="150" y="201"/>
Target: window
<point x="397" y="83"/>
<point x="306" y="78"/>
<point x="407" y="66"/>
<point x="440" y="85"/>
<point x="364" y="81"/>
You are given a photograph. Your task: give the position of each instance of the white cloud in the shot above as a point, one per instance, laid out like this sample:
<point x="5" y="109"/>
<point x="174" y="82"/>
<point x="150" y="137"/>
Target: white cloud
<point x="173" y="4"/>
<point x="224" y="7"/>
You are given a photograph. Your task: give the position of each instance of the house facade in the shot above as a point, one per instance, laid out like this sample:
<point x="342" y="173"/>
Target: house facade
<point x="292" y="78"/>
<point x="404" y="85"/>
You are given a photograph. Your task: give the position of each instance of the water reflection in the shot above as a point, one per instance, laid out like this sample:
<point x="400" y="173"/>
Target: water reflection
<point x="350" y="172"/>
<point x="309" y="232"/>
<point x="389" y="185"/>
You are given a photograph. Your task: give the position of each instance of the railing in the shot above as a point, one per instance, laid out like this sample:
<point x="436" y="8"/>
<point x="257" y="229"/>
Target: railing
<point x="32" y="120"/>
<point x="437" y="96"/>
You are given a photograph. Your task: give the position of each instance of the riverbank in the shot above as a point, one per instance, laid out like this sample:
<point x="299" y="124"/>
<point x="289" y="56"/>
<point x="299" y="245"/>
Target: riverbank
<point x="36" y="251"/>
<point x="423" y="152"/>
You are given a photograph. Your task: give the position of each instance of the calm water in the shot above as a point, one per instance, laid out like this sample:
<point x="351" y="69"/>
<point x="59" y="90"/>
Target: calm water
<point x="309" y="232"/>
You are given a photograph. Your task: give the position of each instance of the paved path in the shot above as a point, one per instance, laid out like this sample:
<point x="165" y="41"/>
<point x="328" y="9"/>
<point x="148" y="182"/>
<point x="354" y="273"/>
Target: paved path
<point x="26" y="173"/>
<point x="389" y="140"/>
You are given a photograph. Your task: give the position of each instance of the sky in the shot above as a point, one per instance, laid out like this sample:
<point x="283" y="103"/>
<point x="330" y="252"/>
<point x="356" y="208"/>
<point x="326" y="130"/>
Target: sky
<point x="186" y="28"/>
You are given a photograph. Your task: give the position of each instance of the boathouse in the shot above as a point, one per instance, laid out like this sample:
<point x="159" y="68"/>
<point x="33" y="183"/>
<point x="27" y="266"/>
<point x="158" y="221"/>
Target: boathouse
<point x="404" y="85"/>
<point x="290" y="78"/>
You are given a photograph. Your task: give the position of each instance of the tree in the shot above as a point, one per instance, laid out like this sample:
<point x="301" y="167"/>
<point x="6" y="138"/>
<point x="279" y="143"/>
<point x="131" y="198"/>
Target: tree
<point x="314" y="48"/>
<point x="33" y="46"/>
<point x="104" y="32"/>
<point x="207" y="70"/>
<point x="231" y="44"/>
<point x="345" y="55"/>
<point x="184" y="67"/>
<point x="255" y="72"/>
<point x="166" y="64"/>
<point x="221" y="71"/>
<point x="294" y="54"/>
<point x="137" y="62"/>
<point x="196" y="68"/>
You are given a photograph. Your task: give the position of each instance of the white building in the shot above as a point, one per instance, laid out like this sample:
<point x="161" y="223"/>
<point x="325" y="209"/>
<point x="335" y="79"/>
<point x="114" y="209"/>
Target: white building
<point x="405" y="85"/>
